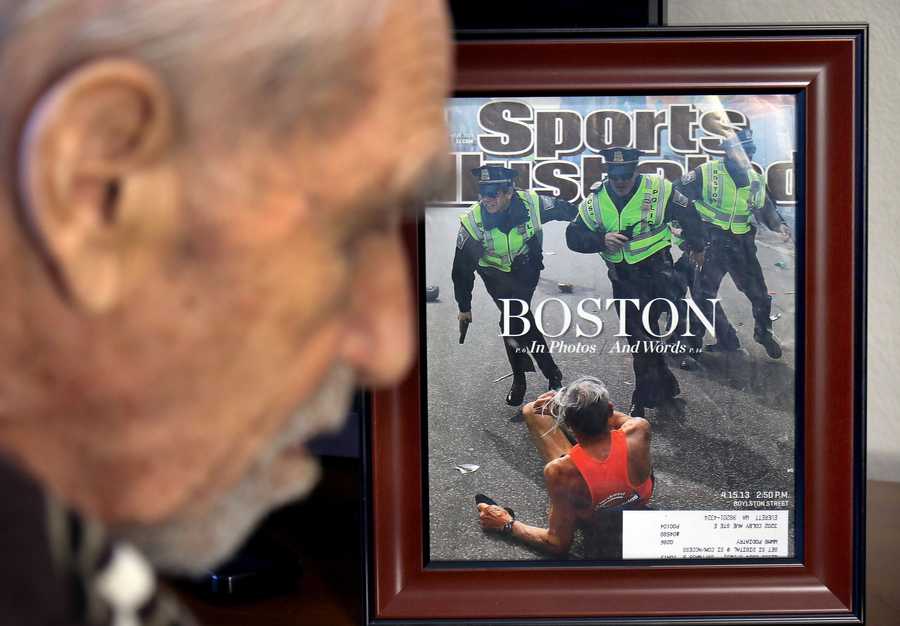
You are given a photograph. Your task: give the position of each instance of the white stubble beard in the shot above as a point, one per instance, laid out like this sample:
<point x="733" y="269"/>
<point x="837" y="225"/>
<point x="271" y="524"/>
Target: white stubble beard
<point x="193" y="543"/>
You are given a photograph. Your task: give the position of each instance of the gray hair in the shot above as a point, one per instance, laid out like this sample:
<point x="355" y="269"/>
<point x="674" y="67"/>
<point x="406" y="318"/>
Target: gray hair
<point x="583" y="404"/>
<point x="282" y="57"/>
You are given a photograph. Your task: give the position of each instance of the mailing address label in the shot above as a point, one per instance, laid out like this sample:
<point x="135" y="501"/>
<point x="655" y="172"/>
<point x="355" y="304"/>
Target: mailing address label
<point x="704" y="534"/>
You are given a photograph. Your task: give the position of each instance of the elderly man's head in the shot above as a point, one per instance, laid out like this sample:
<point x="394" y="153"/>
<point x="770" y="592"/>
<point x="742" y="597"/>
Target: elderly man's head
<point x="199" y="243"/>
<point x="584" y="405"/>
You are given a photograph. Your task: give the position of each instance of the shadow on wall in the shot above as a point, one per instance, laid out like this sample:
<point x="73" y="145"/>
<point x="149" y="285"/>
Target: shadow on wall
<point x="883" y="465"/>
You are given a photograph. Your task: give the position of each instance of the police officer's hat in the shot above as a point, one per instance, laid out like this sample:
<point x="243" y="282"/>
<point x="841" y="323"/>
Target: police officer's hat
<point x="494" y="175"/>
<point x="742" y="138"/>
<point x="620" y="161"/>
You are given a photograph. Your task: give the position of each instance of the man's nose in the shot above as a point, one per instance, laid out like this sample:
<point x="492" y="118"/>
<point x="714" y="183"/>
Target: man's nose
<point x="380" y="335"/>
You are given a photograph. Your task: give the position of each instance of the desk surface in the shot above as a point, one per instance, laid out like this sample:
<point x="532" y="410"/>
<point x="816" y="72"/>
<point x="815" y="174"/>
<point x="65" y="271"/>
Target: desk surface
<point x="328" y="591"/>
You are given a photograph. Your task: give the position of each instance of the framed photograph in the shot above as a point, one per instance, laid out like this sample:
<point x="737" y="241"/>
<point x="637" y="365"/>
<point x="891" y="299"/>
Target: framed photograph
<point x="639" y="395"/>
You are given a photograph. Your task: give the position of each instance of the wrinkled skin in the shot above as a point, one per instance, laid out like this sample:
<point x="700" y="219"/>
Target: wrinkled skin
<point x="279" y="282"/>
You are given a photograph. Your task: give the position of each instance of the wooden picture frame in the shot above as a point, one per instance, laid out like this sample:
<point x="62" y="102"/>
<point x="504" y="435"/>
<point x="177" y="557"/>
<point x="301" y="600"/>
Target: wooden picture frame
<point x="826" y="68"/>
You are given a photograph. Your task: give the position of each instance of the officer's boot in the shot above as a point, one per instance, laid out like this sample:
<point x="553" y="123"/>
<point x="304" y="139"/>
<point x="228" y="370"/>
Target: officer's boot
<point x="769" y="341"/>
<point x="726" y="339"/>
<point x="547" y="365"/>
<point x="517" y="390"/>
<point x="548" y="368"/>
<point x="762" y="331"/>
<point x="637" y="406"/>
<point x="555" y="381"/>
<point x="554" y="376"/>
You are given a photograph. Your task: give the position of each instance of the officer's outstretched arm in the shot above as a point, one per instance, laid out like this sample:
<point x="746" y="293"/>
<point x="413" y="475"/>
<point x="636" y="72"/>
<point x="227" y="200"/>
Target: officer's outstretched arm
<point x="769" y="215"/>
<point x="557" y="210"/>
<point x="465" y="260"/>
<point x="580" y="238"/>
<point x="691" y="184"/>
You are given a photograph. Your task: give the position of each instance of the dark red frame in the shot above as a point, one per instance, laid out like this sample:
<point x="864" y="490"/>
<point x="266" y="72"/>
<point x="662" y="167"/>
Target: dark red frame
<point x="827" y="67"/>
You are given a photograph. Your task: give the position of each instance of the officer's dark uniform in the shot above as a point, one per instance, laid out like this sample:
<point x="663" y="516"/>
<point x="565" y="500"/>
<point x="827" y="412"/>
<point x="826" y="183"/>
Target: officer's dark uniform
<point x="505" y="249"/>
<point x="725" y="196"/>
<point x="640" y="271"/>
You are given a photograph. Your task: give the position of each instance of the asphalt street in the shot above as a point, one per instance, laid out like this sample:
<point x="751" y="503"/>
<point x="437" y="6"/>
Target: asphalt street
<point x="738" y="433"/>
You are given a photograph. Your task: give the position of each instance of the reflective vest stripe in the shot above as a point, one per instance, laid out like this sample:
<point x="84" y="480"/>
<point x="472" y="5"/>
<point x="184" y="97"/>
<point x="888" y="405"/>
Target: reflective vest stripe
<point x="726" y="216"/>
<point x="472" y="226"/>
<point x="644" y="239"/>
<point x="645" y="213"/>
<point x="533" y="203"/>
<point x="513" y="245"/>
<point x="661" y="204"/>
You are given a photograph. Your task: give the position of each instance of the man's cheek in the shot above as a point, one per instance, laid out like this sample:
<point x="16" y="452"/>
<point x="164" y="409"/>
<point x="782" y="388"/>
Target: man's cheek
<point x="320" y="286"/>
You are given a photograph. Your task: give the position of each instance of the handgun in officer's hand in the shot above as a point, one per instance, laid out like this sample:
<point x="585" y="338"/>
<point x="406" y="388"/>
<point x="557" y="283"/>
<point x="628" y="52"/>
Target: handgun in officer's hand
<point x="464" y="320"/>
<point x="786" y="234"/>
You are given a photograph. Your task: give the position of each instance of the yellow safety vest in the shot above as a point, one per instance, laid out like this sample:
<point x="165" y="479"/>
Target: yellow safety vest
<point x="726" y="205"/>
<point x="642" y="219"/>
<point x="500" y="249"/>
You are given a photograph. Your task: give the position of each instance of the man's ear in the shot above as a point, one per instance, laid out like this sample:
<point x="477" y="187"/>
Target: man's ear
<point x="97" y="178"/>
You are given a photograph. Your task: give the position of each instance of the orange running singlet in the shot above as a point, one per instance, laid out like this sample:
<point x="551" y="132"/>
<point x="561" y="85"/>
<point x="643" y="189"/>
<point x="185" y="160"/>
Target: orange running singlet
<point x="608" y="479"/>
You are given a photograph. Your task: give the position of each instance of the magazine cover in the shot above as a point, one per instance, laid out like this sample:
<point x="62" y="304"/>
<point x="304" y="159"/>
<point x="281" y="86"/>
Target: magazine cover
<point x="610" y="337"/>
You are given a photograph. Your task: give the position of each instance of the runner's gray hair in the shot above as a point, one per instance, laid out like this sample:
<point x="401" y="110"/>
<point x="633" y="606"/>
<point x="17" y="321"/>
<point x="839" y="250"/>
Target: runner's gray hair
<point x="282" y="57"/>
<point x="582" y="394"/>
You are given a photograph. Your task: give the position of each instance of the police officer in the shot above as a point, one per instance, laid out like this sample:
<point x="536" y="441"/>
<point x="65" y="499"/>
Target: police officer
<point x="500" y="238"/>
<point x="727" y="193"/>
<point x="627" y="220"/>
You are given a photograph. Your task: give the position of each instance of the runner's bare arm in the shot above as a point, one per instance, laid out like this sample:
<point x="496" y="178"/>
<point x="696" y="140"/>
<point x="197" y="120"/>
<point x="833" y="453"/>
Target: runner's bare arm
<point x="557" y="539"/>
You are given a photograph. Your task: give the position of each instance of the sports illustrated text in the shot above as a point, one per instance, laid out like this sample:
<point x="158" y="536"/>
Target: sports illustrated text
<point x="557" y="150"/>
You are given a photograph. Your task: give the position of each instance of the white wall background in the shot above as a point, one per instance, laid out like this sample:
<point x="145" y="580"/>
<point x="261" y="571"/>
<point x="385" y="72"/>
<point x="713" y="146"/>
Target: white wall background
<point x="883" y="16"/>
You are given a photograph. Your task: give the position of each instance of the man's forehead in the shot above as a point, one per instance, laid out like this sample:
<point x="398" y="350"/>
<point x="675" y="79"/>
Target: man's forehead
<point x="409" y="187"/>
<point x="394" y="152"/>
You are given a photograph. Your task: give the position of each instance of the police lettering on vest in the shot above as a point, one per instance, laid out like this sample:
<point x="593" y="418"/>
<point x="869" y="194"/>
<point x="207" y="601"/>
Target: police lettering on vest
<point x="642" y="219"/>
<point x="726" y="205"/>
